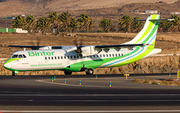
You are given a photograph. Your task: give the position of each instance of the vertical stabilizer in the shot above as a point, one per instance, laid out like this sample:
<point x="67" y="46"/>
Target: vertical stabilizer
<point x="148" y="34"/>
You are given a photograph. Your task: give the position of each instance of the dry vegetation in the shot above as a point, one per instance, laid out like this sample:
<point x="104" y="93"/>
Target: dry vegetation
<point x="168" y="42"/>
<point x="167" y="82"/>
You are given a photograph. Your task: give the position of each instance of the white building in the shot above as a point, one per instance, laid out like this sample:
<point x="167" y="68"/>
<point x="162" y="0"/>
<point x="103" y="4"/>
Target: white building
<point x="151" y="12"/>
<point x="177" y="13"/>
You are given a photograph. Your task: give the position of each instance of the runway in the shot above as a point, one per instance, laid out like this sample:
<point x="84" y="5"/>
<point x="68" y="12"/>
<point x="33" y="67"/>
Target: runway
<point x="40" y="94"/>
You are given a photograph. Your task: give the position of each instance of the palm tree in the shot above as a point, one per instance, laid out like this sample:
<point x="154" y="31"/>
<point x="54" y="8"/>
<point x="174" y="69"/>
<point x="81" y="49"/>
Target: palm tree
<point x="164" y="25"/>
<point x="30" y="22"/>
<point x="175" y="23"/>
<point x="85" y="22"/>
<point x="73" y="24"/>
<point x="55" y="22"/>
<point x="125" y="23"/>
<point x="19" y="22"/>
<point x="136" y="25"/>
<point x="43" y="24"/>
<point x="65" y="19"/>
<point x="106" y="25"/>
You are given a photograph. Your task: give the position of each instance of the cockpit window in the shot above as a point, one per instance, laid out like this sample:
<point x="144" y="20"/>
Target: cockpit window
<point x="24" y="56"/>
<point x="15" y="56"/>
<point x="19" y="56"/>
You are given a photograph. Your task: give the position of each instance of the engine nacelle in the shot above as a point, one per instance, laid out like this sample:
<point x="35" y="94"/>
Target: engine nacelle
<point x="45" y="47"/>
<point x="89" y="50"/>
<point x="86" y="50"/>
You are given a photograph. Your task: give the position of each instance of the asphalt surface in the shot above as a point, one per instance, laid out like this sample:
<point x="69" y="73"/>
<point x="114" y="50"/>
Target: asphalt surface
<point x="40" y="94"/>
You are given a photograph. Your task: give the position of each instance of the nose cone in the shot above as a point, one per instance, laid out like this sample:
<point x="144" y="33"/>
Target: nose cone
<point x="7" y="64"/>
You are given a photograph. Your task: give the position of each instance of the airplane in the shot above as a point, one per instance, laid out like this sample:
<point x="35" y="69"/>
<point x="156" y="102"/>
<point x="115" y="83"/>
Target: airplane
<point x="85" y="57"/>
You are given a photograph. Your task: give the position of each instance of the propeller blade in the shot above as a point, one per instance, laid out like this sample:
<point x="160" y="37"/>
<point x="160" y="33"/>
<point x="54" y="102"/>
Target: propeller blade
<point x="79" y="50"/>
<point x="38" y="40"/>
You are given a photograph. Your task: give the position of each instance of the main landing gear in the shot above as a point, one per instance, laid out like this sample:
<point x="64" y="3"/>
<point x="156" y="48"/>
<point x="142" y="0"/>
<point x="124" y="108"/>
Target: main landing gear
<point x="67" y="73"/>
<point x="13" y="73"/>
<point x="89" y="71"/>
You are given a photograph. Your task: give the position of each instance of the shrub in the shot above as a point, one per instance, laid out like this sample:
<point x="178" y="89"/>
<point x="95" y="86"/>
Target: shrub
<point x="155" y="83"/>
<point x="178" y="83"/>
<point x="147" y="81"/>
<point x="136" y="80"/>
<point x="100" y="31"/>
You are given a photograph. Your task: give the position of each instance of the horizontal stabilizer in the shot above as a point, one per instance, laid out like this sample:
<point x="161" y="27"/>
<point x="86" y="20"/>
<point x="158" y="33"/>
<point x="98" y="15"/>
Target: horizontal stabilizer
<point x="155" y="20"/>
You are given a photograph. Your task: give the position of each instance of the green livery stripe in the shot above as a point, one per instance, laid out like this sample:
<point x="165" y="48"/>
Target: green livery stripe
<point x="151" y="34"/>
<point x="11" y="60"/>
<point x="96" y="63"/>
<point x="151" y="23"/>
<point x="31" y="69"/>
<point x="139" y="57"/>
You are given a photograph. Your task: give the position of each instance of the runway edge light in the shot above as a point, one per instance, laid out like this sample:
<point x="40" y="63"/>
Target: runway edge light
<point x="65" y="81"/>
<point x="52" y="79"/>
<point x="169" y="74"/>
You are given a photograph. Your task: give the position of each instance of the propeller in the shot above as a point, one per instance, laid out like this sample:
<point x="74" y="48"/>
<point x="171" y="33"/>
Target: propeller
<point x="79" y="50"/>
<point x="36" y="45"/>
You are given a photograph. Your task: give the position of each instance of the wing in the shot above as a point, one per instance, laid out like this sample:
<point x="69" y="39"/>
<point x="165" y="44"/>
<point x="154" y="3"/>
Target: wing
<point x="117" y="47"/>
<point x="35" y="47"/>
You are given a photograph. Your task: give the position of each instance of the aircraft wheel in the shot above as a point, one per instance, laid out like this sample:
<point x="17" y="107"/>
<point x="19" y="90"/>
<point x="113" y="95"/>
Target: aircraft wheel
<point x="89" y="71"/>
<point x="13" y="73"/>
<point x="67" y="73"/>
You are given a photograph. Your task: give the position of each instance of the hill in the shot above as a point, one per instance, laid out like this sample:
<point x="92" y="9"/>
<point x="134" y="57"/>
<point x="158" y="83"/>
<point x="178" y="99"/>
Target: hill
<point x="96" y="9"/>
<point x="38" y="7"/>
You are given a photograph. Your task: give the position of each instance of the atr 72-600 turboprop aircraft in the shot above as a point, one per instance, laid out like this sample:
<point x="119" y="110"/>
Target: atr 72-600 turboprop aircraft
<point x="86" y="58"/>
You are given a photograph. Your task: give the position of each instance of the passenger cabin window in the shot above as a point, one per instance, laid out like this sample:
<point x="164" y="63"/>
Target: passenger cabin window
<point x="58" y="57"/>
<point x="45" y="58"/>
<point x="54" y="57"/>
